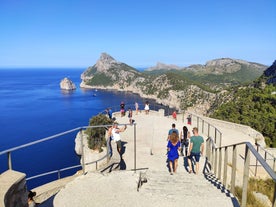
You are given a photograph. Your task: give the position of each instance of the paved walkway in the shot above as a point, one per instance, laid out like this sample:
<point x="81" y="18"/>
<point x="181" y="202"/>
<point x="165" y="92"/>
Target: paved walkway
<point x="119" y="187"/>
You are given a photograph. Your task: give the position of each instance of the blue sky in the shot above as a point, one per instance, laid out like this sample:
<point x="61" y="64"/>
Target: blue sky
<point x="74" y="33"/>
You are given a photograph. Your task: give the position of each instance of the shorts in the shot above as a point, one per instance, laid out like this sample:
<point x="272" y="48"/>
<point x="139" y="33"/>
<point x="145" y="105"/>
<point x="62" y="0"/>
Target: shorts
<point x="196" y="155"/>
<point x="119" y="144"/>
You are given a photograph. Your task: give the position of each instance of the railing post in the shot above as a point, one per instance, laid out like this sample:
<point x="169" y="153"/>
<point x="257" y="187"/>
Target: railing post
<point x="220" y="139"/>
<point x="234" y="166"/>
<point x="225" y="166"/>
<point x="202" y="126"/>
<point x="215" y="136"/>
<point x="245" y="176"/>
<point x="9" y="161"/>
<point x="197" y="120"/>
<point x="208" y="130"/>
<point x="208" y="149"/>
<point x="220" y="163"/>
<point x="256" y="167"/>
<point x="82" y="153"/>
<point x="135" y="147"/>
<point x="274" y="196"/>
<point x="274" y="159"/>
<point x="216" y="161"/>
<point x="213" y="158"/>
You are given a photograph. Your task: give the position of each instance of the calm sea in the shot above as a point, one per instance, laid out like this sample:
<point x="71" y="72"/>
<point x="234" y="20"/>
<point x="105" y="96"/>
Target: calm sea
<point x="32" y="107"/>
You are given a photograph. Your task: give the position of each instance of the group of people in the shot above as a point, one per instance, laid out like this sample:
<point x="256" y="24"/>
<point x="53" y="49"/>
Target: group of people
<point x="193" y="145"/>
<point x="123" y="111"/>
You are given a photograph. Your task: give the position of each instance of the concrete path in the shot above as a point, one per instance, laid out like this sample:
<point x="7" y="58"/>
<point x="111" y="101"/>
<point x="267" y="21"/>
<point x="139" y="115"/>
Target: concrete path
<point x="119" y="187"/>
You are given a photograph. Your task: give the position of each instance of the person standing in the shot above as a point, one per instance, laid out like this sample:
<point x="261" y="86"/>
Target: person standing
<point x="109" y="113"/>
<point x="122" y="106"/>
<point x="189" y="120"/>
<point x="116" y="136"/>
<point x="174" y="115"/>
<point x="136" y="107"/>
<point x="173" y="147"/>
<point x="31" y="202"/>
<point x="147" y="107"/>
<point x="173" y="129"/>
<point x="130" y="115"/>
<point x="195" y="150"/>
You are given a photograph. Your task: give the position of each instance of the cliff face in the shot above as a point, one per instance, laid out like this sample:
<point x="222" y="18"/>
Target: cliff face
<point x="67" y="84"/>
<point x="167" y="88"/>
<point x="271" y="73"/>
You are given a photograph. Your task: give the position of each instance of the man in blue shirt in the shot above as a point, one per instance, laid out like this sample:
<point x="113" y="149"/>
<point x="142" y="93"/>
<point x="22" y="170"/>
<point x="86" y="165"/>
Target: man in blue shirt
<point x="173" y="129"/>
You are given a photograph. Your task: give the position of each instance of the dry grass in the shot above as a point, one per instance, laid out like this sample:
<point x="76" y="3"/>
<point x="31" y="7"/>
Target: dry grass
<point x="265" y="187"/>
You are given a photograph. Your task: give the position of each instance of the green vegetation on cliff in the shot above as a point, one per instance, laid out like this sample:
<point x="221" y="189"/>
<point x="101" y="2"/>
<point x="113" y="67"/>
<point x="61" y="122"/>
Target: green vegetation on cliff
<point x="96" y="136"/>
<point x="254" y="106"/>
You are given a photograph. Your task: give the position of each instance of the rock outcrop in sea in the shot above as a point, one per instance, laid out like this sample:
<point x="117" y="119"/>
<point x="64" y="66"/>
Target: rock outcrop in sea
<point x="67" y="84"/>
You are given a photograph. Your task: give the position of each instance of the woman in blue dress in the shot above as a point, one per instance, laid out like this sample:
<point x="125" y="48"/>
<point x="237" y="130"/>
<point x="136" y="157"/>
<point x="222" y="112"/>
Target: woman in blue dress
<point x="173" y="148"/>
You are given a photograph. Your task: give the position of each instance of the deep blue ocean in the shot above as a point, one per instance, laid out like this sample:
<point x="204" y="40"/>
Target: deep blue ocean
<point x="32" y="107"/>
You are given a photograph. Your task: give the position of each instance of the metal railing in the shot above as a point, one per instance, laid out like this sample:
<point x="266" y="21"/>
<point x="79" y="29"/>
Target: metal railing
<point x="206" y="128"/>
<point x="9" y="152"/>
<point x="268" y="157"/>
<point x="217" y="158"/>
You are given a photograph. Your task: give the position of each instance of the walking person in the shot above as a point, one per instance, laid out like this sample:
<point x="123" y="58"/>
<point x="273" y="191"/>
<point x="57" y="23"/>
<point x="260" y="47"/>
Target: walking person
<point x="184" y="140"/>
<point x="116" y="136"/>
<point x="196" y="149"/>
<point x="173" y="129"/>
<point x="173" y="148"/>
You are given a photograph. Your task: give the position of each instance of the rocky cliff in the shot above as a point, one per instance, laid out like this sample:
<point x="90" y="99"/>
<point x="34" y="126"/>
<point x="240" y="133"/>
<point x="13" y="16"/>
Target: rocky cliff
<point x="270" y="73"/>
<point x="169" y="88"/>
<point x="67" y="84"/>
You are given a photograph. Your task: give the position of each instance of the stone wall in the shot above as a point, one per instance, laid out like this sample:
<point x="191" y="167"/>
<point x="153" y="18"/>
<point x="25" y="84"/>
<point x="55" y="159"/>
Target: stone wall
<point x="13" y="189"/>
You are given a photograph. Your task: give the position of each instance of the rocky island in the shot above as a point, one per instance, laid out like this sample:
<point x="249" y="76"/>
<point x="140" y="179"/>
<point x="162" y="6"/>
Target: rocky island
<point x="67" y="84"/>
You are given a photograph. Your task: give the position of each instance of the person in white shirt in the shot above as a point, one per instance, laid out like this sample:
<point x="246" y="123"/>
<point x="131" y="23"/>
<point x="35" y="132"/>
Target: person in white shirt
<point x="116" y="136"/>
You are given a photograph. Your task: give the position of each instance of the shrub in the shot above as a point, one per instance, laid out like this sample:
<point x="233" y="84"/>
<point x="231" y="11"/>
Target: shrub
<point x="96" y="136"/>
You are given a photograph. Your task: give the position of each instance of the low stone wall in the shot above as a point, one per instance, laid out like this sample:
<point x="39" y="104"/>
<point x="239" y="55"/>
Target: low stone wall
<point x="13" y="189"/>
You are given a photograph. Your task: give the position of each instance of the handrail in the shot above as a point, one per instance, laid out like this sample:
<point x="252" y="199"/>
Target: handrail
<point x="211" y="154"/>
<point x="39" y="141"/>
<point x="10" y="150"/>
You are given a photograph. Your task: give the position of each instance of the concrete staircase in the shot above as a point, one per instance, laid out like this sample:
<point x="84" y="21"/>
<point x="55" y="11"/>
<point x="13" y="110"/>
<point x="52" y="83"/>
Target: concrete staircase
<point x="117" y="184"/>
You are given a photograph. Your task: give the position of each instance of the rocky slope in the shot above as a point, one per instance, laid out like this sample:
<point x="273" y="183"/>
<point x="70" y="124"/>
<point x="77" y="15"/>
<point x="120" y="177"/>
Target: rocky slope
<point x="270" y="73"/>
<point x="169" y="88"/>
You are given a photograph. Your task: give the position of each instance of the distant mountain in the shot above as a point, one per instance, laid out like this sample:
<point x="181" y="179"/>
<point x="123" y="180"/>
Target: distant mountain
<point x="162" y="66"/>
<point x="196" y="86"/>
<point x="226" y="65"/>
<point x="253" y="105"/>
